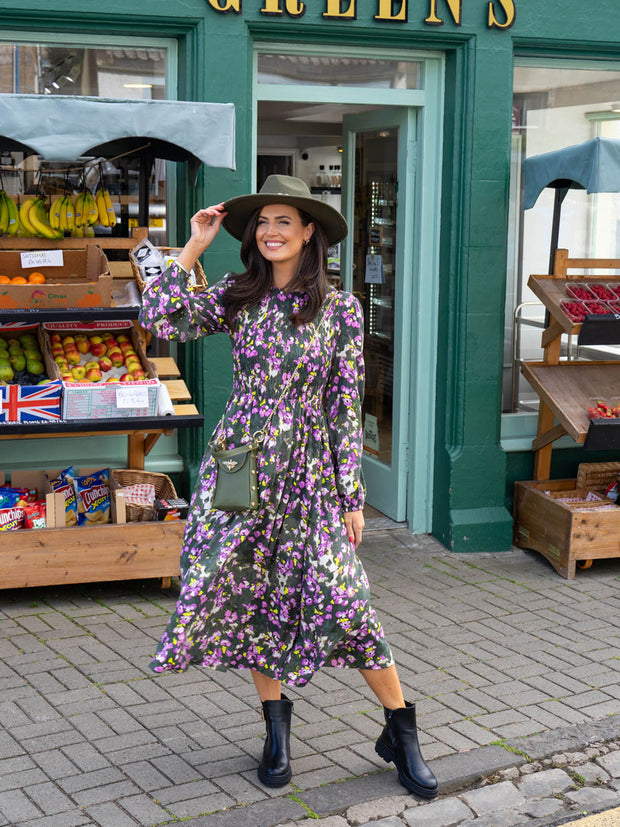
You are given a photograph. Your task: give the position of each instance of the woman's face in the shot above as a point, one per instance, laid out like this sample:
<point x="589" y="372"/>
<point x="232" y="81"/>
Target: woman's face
<point x="280" y="234"/>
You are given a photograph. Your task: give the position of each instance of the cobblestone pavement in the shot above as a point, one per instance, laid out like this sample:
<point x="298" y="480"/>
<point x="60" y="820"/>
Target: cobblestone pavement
<point x="504" y="658"/>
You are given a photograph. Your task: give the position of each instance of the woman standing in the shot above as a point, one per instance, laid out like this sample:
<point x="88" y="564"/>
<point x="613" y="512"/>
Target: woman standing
<point x="279" y="590"/>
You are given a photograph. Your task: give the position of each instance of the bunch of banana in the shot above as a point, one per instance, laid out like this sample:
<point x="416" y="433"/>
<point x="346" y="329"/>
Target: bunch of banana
<point x="107" y="216"/>
<point x="86" y="209"/>
<point x="34" y="219"/>
<point x="8" y="214"/>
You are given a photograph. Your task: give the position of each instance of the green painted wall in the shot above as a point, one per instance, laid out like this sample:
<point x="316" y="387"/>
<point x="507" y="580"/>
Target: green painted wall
<point x="471" y="470"/>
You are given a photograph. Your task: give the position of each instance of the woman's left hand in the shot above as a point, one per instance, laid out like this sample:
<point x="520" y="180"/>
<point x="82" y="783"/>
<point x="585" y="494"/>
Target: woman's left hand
<point x="354" y="522"/>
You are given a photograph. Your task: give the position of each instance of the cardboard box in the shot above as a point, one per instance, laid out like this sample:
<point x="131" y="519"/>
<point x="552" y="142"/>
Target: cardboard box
<point x="74" y="278"/>
<point x="32" y="403"/>
<point x="103" y="400"/>
<point x="54" y="502"/>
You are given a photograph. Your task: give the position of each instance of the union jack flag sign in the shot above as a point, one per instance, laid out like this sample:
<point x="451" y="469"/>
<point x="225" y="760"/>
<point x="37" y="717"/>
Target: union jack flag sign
<point x="30" y="403"/>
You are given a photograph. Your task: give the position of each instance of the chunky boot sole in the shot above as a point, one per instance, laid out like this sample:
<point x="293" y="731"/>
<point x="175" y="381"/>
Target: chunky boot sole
<point x="382" y="749"/>
<point x="273" y="780"/>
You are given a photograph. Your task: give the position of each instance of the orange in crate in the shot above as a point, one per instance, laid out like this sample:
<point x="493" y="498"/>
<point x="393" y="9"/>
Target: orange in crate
<point x="19" y="280"/>
<point x="5" y="280"/>
<point x="36" y="278"/>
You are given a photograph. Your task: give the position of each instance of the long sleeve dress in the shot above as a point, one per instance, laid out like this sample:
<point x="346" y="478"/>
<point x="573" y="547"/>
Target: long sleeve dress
<point x="279" y="590"/>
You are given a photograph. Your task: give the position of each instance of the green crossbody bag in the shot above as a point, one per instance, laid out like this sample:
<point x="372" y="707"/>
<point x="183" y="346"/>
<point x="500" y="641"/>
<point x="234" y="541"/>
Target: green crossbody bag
<point x="236" y="482"/>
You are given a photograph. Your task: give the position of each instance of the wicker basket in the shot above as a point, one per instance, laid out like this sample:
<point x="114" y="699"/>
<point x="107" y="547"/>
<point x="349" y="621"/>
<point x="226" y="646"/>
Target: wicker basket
<point x="124" y="477"/>
<point x="596" y="476"/>
<point x="199" y="273"/>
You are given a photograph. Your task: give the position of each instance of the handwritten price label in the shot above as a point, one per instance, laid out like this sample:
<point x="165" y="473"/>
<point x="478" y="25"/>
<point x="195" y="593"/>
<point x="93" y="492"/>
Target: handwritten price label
<point x="41" y="258"/>
<point x="136" y="397"/>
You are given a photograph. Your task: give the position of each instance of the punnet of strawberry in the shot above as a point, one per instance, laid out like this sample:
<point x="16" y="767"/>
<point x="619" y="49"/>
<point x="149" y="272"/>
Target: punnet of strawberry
<point x="603" y="411"/>
<point x="576" y="311"/>
<point x="597" y="308"/>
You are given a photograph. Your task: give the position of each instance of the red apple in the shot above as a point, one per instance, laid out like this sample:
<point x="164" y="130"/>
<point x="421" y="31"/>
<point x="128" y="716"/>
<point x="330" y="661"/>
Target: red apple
<point x="122" y="337"/>
<point x="55" y="338"/>
<point x="115" y="356"/>
<point x="112" y="379"/>
<point x="110" y="343"/>
<point x="95" y="339"/>
<point x="126" y="347"/>
<point x="73" y="357"/>
<point x="97" y="348"/>
<point x="138" y="375"/>
<point x="94" y="375"/>
<point x="92" y="364"/>
<point x="68" y="340"/>
<point x="67" y="377"/>
<point x="126" y="378"/>
<point x="105" y="364"/>
<point x="78" y="372"/>
<point x="107" y="335"/>
<point x="83" y="346"/>
<point x="57" y="350"/>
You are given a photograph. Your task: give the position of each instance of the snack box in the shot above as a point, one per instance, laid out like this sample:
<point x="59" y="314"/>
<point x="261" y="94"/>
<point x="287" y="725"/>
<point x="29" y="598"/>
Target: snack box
<point x="106" y="400"/>
<point x="73" y="278"/>
<point x="31" y="403"/>
<point x="174" y="509"/>
<point x="55" y="502"/>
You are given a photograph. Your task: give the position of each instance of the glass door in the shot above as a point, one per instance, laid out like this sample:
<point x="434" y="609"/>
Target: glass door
<point x="378" y="180"/>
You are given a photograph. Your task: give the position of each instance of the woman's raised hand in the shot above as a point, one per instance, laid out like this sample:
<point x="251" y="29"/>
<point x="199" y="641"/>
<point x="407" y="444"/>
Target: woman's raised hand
<point x="205" y="226"/>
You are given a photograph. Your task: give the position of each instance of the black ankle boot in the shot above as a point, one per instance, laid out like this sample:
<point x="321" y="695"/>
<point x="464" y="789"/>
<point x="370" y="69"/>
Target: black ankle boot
<point x="274" y="769"/>
<point x="399" y="743"/>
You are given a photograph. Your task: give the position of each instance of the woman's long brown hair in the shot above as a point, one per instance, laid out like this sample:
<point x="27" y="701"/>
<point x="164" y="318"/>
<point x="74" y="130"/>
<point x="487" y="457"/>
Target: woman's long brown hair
<point x="248" y="288"/>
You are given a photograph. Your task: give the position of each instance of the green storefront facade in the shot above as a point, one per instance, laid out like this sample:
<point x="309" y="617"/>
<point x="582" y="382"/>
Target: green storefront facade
<point x="440" y="75"/>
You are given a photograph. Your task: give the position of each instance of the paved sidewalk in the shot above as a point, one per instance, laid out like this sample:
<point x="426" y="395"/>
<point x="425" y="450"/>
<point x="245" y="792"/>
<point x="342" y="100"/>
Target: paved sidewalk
<point x="499" y="652"/>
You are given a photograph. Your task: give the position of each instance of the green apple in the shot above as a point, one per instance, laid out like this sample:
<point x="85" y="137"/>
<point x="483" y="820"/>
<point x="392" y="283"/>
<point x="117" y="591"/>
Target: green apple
<point x="35" y="367"/>
<point x="18" y="362"/>
<point x="6" y="373"/>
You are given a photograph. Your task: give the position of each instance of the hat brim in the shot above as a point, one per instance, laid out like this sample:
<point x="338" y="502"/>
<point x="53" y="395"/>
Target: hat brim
<point x="241" y="209"/>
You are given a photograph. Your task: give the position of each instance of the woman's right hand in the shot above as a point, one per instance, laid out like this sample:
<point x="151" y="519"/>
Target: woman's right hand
<point x="205" y="226"/>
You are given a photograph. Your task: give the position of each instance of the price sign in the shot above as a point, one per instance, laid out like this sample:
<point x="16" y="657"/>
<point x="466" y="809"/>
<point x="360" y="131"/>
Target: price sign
<point x="132" y="397"/>
<point x="374" y="270"/>
<point x="376" y="236"/>
<point x="41" y="258"/>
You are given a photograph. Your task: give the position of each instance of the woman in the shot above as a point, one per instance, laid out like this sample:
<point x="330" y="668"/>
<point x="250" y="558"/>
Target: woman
<point x="280" y="590"/>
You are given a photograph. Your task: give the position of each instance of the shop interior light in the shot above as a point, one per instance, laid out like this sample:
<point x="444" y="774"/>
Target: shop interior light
<point x="138" y="85"/>
<point x="615" y="107"/>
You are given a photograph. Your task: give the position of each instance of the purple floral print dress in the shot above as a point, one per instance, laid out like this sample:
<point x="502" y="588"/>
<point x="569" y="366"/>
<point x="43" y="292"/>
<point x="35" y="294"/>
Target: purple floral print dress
<point x="279" y="590"/>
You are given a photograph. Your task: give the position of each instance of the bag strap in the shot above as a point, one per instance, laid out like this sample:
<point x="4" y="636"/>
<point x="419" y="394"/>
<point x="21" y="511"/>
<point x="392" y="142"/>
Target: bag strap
<point x="258" y="437"/>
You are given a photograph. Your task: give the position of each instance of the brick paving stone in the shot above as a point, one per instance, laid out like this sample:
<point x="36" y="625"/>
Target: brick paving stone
<point x="200" y="806"/>
<point x="49" y="798"/>
<point x="144" y="809"/>
<point x="85" y="756"/>
<point x="106" y="792"/>
<point x="17" y="780"/>
<point x="16" y="807"/>
<point x="545" y="783"/>
<point x="592" y="798"/>
<point x="110" y="815"/>
<point x="444" y="813"/>
<point x="610" y="763"/>
<point x="145" y="776"/>
<point x="379" y="808"/>
<point x="507" y="818"/>
<point x="543" y="807"/>
<point x="72" y="819"/>
<point x="390" y="821"/>
<point x="494" y="798"/>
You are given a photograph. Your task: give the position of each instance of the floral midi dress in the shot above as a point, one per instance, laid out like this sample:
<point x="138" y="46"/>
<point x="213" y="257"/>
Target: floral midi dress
<point x="280" y="589"/>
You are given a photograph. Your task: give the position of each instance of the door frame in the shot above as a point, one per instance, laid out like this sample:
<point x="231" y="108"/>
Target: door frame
<point x="423" y="318"/>
<point x="388" y="490"/>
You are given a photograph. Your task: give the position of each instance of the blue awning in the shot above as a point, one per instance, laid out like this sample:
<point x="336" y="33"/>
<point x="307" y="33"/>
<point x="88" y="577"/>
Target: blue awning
<point x="593" y="166"/>
<point x="65" y="127"/>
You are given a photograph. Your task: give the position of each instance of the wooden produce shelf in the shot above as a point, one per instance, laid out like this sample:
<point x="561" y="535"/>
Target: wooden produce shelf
<point x="569" y="389"/>
<point x="59" y="556"/>
<point x="562" y="532"/>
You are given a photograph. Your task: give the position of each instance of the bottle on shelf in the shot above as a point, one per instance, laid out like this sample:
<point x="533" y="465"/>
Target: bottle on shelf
<point x="320" y="178"/>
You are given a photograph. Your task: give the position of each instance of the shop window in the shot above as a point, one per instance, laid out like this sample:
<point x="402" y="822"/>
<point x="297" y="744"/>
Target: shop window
<point x="137" y="72"/>
<point x="554" y="106"/>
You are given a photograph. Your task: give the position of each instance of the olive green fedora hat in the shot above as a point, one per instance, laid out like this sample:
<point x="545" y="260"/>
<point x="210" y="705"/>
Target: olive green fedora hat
<point x="284" y="189"/>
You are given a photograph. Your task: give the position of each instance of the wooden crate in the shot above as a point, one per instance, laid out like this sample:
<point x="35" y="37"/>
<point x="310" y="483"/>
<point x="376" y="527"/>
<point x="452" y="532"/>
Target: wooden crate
<point x="563" y="533"/>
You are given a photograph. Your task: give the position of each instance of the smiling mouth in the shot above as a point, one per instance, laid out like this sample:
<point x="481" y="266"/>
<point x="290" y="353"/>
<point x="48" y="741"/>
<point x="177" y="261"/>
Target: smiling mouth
<point x="274" y="245"/>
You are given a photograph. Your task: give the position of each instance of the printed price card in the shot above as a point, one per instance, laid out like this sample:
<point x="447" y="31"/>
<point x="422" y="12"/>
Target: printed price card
<point x="132" y="397"/>
<point x="41" y="258"/>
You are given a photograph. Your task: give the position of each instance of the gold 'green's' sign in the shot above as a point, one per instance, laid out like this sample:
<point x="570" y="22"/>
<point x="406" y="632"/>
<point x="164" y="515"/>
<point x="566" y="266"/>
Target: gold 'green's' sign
<point x="501" y="14"/>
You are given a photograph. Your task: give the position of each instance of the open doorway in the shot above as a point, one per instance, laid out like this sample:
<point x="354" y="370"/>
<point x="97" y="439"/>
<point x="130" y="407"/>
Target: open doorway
<point x="353" y="156"/>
